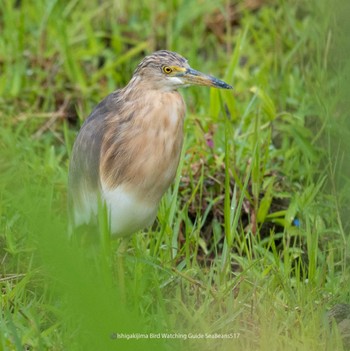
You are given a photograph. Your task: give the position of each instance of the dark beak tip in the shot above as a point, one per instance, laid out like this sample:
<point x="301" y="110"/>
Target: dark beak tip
<point x="224" y="85"/>
<point x="220" y="84"/>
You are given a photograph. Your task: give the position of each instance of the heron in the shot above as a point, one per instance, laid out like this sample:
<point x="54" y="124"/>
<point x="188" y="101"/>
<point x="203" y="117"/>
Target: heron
<point x="127" y="151"/>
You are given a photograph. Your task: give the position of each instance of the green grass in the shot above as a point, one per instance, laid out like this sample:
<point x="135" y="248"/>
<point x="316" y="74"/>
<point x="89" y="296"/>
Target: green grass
<point x="224" y="256"/>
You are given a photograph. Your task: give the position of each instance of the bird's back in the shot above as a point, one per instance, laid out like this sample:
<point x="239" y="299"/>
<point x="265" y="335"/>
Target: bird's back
<point x="84" y="177"/>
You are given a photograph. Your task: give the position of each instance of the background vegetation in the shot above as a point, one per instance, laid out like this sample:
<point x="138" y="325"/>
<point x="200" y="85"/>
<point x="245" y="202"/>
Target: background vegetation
<point x="253" y="238"/>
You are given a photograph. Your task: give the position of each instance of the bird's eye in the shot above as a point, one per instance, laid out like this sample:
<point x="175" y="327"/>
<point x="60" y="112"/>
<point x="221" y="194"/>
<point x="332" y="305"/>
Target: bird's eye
<point x="167" y="69"/>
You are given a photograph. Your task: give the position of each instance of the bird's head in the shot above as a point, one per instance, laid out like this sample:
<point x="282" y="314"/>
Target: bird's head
<point x="166" y="70"/>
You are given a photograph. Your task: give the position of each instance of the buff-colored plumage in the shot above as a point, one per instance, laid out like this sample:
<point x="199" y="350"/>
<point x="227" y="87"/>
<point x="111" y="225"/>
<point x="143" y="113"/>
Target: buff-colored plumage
<point x="127" y="151"/>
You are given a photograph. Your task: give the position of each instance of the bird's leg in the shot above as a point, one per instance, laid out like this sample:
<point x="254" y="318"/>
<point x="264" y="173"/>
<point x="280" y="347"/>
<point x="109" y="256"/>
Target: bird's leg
<point x="106" y="249"/>
<point x="123" y="245"/>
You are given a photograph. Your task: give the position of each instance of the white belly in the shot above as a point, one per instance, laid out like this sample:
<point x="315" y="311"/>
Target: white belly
<point x="127" y="214"/>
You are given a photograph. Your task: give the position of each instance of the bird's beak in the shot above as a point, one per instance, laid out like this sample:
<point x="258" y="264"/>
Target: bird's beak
<point x="191" y="76"/>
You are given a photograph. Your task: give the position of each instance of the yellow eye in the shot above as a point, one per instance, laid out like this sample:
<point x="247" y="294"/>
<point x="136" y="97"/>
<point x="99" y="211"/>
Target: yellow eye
<point x="167" y="69"/>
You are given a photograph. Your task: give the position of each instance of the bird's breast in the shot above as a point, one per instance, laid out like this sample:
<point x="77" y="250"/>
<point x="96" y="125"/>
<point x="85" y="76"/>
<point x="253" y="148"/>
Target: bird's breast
<point x="143" y="153"/>
<point x="159" y="159"/>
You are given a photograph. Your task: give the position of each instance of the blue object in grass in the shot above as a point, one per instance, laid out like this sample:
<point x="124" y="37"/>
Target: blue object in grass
<point x="296" y="222"/>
